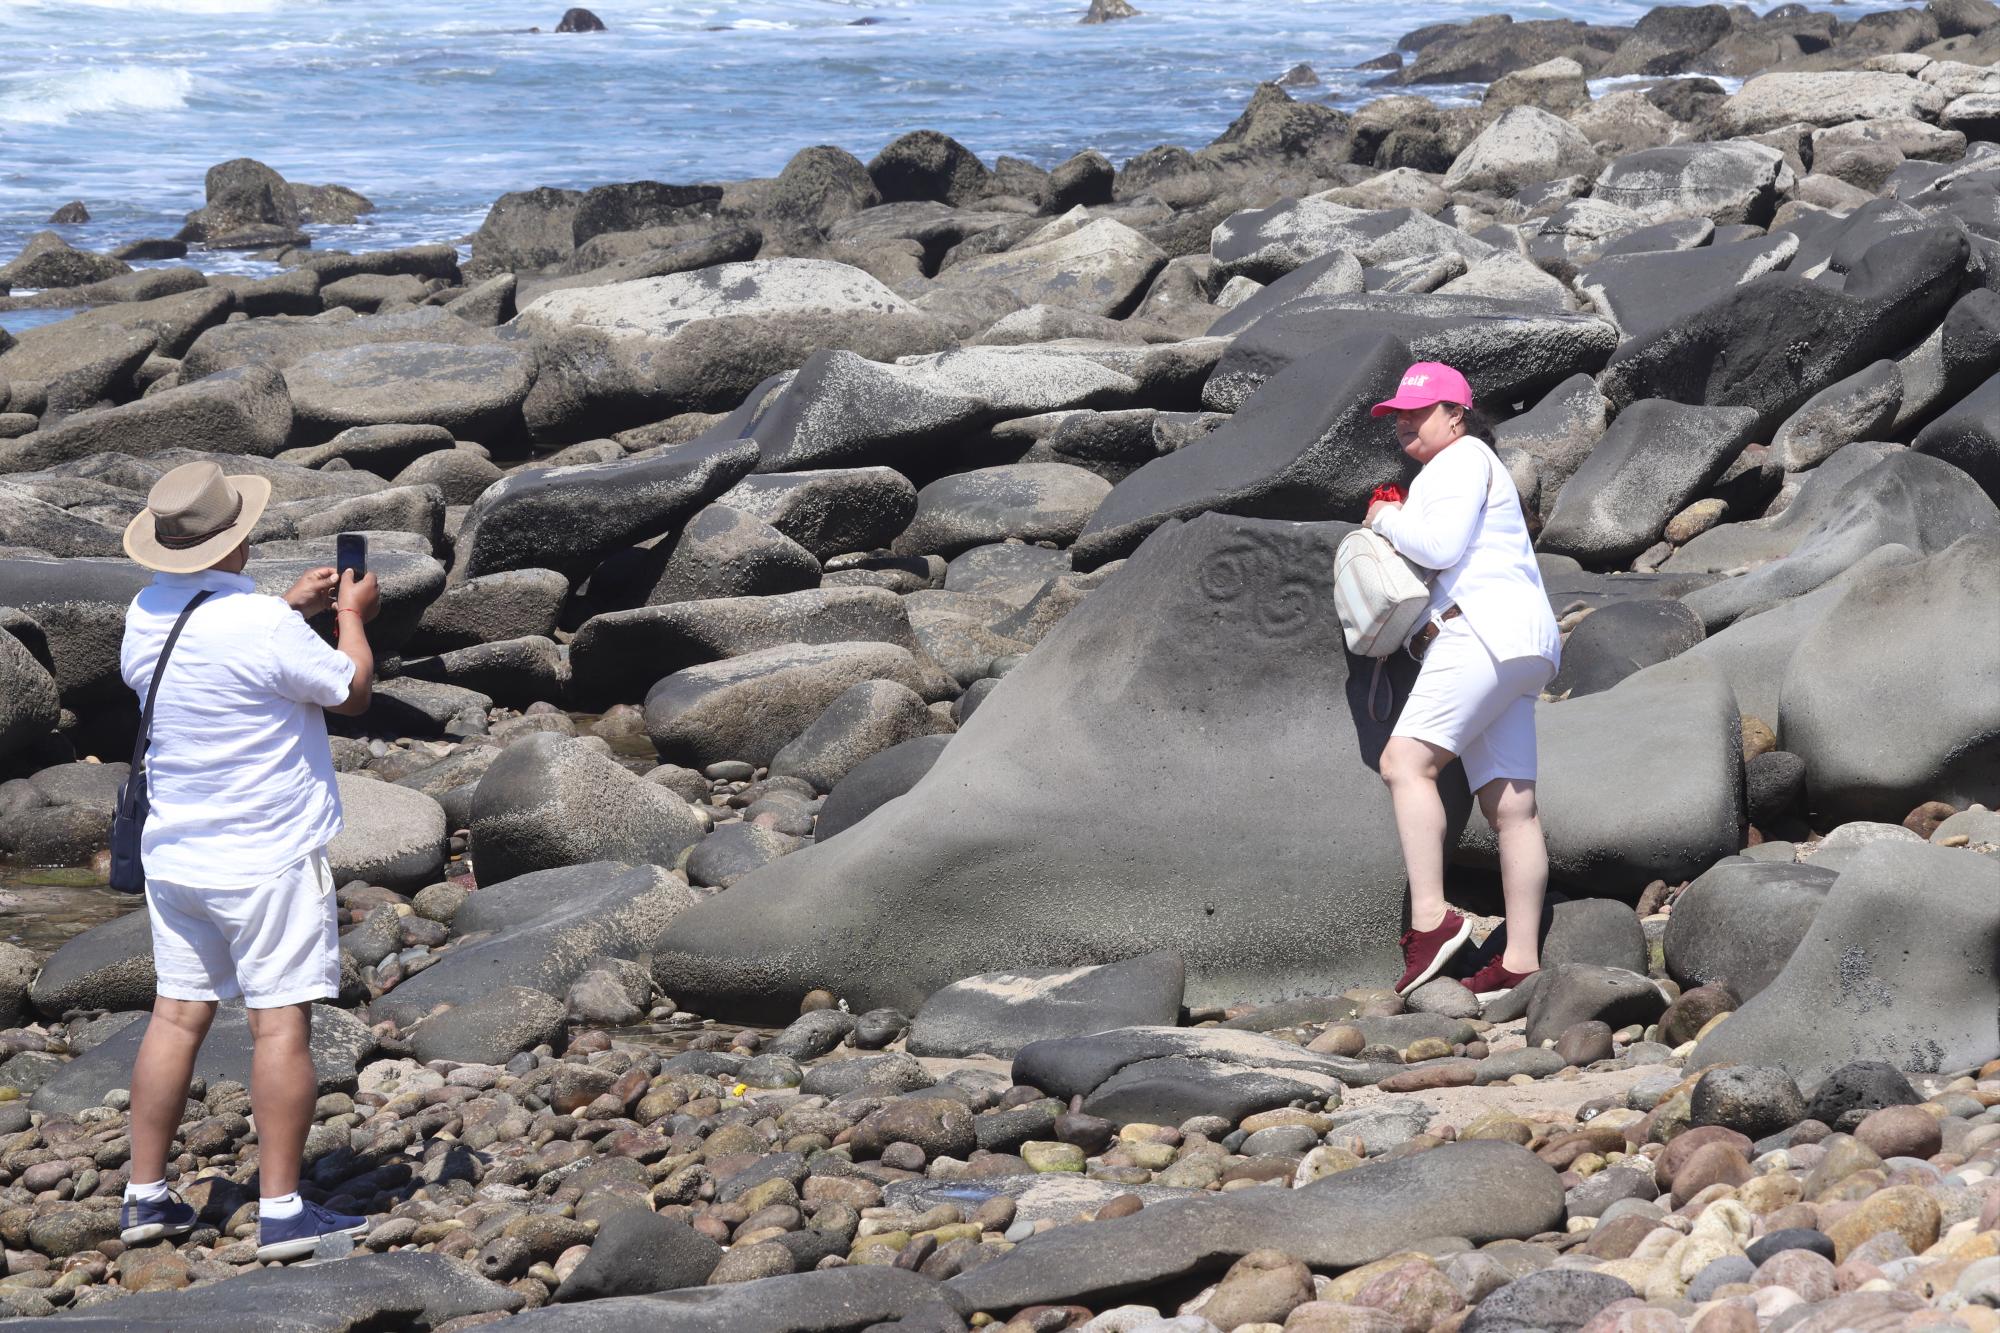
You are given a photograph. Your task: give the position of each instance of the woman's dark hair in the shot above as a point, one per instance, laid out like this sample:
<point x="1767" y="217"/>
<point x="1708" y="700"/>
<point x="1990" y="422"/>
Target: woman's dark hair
<point x="1477" y="423"/>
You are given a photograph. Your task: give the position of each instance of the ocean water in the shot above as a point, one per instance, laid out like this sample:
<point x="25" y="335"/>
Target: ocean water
<point x="433" y="110"/>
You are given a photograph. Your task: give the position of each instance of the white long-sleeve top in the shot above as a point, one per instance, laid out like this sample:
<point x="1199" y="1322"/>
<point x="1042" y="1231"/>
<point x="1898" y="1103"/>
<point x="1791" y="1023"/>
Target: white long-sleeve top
<point x="1463" y="519"/>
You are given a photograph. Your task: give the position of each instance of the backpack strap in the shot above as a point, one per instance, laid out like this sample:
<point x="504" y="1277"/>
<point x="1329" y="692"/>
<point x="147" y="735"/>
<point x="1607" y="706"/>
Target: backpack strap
<point x="1379" y="684"/>
<point x="145" y="738"/>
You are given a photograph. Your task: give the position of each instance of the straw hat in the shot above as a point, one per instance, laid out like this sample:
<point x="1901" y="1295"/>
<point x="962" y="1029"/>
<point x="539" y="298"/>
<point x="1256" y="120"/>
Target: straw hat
<point x="194" y="516"/>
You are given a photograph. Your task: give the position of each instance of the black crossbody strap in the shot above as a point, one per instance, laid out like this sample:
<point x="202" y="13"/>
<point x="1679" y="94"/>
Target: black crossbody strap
<point x="160" y="669"/>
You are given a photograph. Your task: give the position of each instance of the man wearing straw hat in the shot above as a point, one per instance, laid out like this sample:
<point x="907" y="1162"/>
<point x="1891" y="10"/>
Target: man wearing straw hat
<point x="243" y="807"/>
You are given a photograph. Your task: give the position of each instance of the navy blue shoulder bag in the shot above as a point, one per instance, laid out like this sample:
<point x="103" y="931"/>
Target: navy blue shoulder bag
<point x="128" y="875"/>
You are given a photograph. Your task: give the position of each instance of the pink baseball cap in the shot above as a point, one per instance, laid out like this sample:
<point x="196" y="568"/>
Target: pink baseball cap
<point x="1425" y="383"/>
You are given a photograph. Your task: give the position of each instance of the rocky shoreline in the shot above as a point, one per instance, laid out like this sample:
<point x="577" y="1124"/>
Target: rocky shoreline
<point x="868" y="823"/>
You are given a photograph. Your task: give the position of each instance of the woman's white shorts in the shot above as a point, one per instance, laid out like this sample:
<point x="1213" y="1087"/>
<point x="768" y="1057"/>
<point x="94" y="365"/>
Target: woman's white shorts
<point x="274" y="944"/>
<point x="1480" y="708"/>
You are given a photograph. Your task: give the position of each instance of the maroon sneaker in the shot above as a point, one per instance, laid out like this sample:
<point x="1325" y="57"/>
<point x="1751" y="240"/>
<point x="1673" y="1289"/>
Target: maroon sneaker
<point x="1425" y="952"/>
<point x="1494" y="980"/>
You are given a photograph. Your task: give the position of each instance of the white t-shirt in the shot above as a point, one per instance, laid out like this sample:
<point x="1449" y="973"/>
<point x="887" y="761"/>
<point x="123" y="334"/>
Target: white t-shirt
<point x="240" y="773"/>
<point x="1463" y="519"/>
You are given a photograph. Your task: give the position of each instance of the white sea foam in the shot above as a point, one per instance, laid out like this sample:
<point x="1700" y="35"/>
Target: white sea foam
<point x="98" y="90"/>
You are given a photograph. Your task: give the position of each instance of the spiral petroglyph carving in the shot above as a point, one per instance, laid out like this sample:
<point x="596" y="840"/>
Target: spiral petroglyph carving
<point x="1275" y="581"/>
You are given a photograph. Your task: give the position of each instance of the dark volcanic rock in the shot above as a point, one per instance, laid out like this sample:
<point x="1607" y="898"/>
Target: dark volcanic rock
<point x="924" y="164"/>
<point x="1776" y="341"/>
<point x="339" y="1042"/>
<point x="1303" y="447"/>
<point x="1509" y="353"/>
<point x="1579" y="993"/>
<point x="566" y="518"/>
<point x="876" y="781"/>
<point x="999" y="1013"/>
<point x="618" y="656"/>
<point x="1616" y="640"/>
<point x="1656" y="457"/>
<point x="545" y="928"/>
<point x="1901" y="964"/>
<point x="1874" y="756"/>
<point x="750" y="707"/>
<point x="406" y="1289"/>
<point x="1739" y="923"/>
<point x="1219" y="598"/>
<point x="637" y="1252"/>
<point x="548" y="802"/>
<point x="1496" y="1191"/>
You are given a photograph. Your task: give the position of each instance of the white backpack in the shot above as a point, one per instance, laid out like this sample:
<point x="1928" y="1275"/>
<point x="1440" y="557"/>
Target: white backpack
<point x="1379" y="594"/>
<point x="1381" y="597"/>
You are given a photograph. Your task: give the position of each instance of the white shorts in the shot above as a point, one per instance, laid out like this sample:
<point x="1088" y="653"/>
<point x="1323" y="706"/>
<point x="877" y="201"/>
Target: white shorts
<point x="1481" y="709"/>
<point x="273" y="944"/>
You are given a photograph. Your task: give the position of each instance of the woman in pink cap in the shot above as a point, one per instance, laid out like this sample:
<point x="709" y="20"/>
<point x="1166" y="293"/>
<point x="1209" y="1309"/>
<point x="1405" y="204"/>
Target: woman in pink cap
<point x="1487" y="648"/>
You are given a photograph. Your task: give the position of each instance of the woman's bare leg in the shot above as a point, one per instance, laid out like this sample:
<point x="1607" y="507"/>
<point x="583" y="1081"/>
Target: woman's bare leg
<point x="1509" y="806"/>
<point x="1410" y="767"/>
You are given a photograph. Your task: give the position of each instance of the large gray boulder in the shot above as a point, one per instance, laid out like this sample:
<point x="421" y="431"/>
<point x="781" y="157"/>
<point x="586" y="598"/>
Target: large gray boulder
<point x="1729" y="183"/>
<point x="1302" y="447"/>
<point x="492" y="607"/>
<point x="339" y="1042"/>
<point x="930" y="887"/>
<point x="390" y="835"/>
<point x="280" y="341"/>
<point x="750" y="706"/>
<point x="1656" y="458"/>
<point x="1774" y="342"/>
<point x="1640" y="782"/>
<point x="1308" y="236"/>
<point x="866" y="719"/>
<point x="1480" y="1191"/>
<point x="406" y="1289"/>
<point x="1751" y="542"/>
<point x="1908" y="498"/>
<point x="830" y="511"/>
<point x="1509" y="352"/>
<point x="1525" y="146"/>
<point x="1873" y="753"/>
<point x="1967" y="435"/>
<point x="473" y="392"/>
<point x="79" y="367"/>
<point x="1901" y="965"/>
<point x="844" y="410"/>
<point x="639" y="351"/>
<point x="1863" y="406"/>
<point x="539" y="931"/>
<point x="241" y="411"/>
<point x="1738" y="923"/>
<point x="1101" y="269"/>
<point x="1655" y="289"/>
<point x="1029" y="502"/>
<point x="28" y="523"/>
<point x="29" y="705"/>
<point x="617" y="657"/>
<point x="1831" y="98"/>
<point x="722" y="552"/>
<point x="876" y="781"/>
<point x="104" y="967"/>
<point x="567" y="518"/>
<point x="1754" y="653"/>
<point x="1617" y="640"/>
<point x="548" y="801"/>
<point x="1558" y="432"/>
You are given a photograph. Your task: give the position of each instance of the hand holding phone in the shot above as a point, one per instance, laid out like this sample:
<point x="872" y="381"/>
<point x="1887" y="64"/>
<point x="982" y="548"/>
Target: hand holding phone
<point x="350" y="551"/>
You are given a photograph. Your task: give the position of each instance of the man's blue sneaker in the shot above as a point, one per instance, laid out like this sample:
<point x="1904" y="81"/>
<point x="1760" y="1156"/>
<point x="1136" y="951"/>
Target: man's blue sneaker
<point x="141" y="1220"/>
<point x="301" y="1233"/>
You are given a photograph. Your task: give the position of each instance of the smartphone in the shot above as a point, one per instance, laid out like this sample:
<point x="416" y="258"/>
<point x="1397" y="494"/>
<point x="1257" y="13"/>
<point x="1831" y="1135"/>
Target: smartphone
<point x="350" y="551"/>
